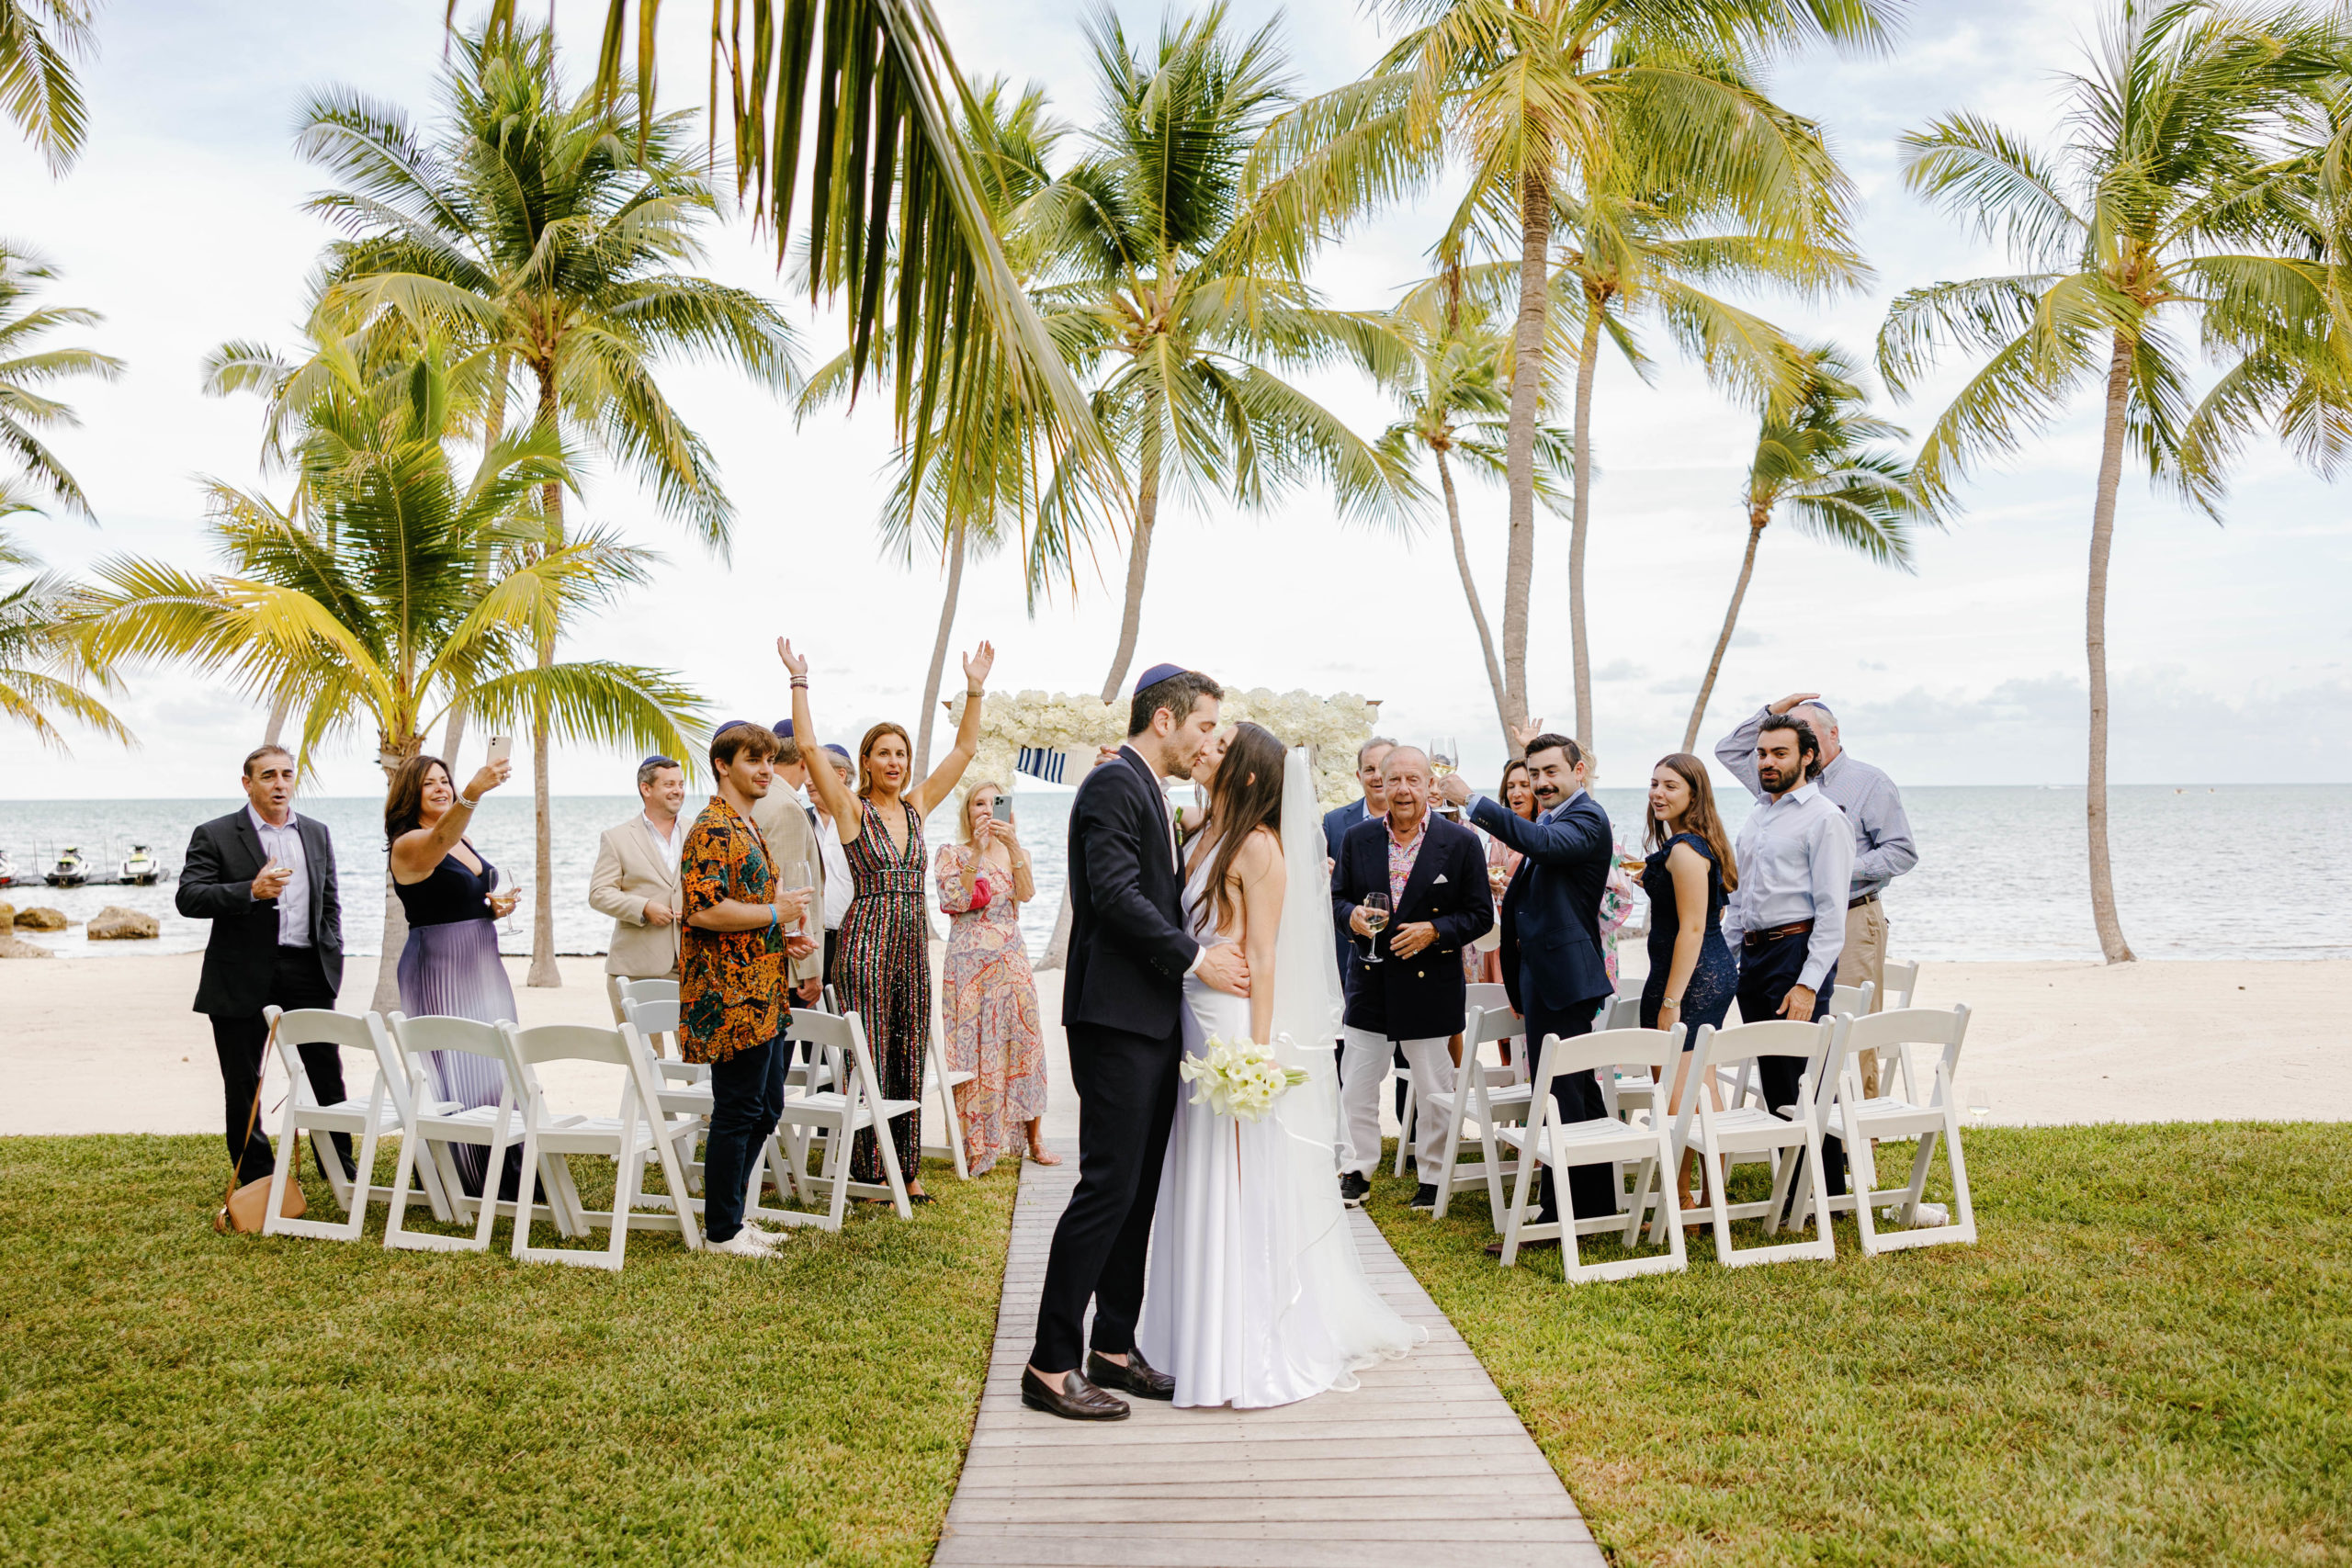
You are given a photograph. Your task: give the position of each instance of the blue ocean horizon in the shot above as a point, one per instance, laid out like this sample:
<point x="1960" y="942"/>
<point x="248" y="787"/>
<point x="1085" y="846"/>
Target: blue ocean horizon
<point x="2250" y="872"/>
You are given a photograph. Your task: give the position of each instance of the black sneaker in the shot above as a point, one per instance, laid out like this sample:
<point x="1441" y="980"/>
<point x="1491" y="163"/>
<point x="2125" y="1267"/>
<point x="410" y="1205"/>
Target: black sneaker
<point x="1426" y="1196"/>
<point x="1353" y="1189"/>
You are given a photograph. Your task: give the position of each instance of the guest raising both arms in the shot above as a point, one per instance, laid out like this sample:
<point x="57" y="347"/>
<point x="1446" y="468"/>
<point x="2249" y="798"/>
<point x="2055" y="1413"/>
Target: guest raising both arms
<point x="883" y="967"/>
<point x="990" y="1008"/>
<point x="450" y="967"/>
<point x="264" y="877"/>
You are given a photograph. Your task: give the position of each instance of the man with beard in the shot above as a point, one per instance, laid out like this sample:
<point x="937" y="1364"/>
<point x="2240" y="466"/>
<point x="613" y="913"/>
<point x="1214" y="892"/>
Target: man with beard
<point x="1787" y="919"/>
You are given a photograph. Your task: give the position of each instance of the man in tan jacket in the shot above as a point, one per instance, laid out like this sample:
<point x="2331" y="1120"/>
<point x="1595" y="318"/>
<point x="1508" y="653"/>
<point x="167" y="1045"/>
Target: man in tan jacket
<point x="783" y="818"/>
<point x="636" y="881"/>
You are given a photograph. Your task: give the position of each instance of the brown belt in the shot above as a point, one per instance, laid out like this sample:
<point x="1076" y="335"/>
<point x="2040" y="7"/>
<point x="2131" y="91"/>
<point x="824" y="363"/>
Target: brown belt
<point x="1865" y="898"/>
<point x="1758" y="939"/>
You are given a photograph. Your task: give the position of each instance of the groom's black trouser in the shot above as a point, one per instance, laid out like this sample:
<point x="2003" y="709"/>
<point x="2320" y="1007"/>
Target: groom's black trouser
<point x="1126" y="1103"/>
<point x="1592" y="1189"/>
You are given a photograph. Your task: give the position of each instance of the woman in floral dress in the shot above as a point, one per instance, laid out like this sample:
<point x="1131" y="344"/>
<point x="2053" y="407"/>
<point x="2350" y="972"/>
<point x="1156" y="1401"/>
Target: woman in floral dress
<point x="882" y="968"/>
<point x="990" y="1006"/>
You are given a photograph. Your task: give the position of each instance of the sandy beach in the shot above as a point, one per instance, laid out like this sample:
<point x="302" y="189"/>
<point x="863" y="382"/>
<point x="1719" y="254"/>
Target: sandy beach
<point x="107" y="1044"/>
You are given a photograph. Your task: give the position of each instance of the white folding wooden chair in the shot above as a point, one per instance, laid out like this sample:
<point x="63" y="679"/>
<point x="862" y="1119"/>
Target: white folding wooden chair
<point x="368" y="1120"/>
<point x="952" y="1149"/>
<point x="1546" y="1140"/>
<point x="1852" y="1001"/>
<point x="1902" y="986"/>
<point x="664" y="1044"/>
<point x="1751" y="1130"/>
<point x="836" y="1115"/>
<point x="1926" y="1117"/>
<point x="1481" y="1094"/>
<point x="1478" y="996"/>
<point x="681" y="1089"/>
<point x="554" y="1137"/>
<point x="432" y="1125"/>
<point x="1625" y="1092"/>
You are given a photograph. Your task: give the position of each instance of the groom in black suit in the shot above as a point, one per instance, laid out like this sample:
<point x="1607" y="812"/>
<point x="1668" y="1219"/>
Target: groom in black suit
<point x="1123" y="1001"/>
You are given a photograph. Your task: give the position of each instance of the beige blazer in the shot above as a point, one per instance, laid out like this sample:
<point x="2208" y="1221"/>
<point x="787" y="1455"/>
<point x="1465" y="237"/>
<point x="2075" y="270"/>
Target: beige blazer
<point x="783" y="821"/>
<point x="631" y="869"/>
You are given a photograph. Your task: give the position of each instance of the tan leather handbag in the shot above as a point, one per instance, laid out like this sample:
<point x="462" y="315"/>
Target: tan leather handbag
<point x="243" y="1208"/>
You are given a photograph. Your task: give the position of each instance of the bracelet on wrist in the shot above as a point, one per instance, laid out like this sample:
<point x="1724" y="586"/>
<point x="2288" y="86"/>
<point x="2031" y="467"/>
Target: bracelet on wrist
<point x="800" y="682"/>
<point x="469" y="801"/>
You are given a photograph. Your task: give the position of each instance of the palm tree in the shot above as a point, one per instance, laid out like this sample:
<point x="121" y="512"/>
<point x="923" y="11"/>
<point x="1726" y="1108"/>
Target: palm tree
<point x="539" y="230"/>
<point x="1817" y="465"/>
<point x="989" y="499"/>
<point x="39" y="41"/>
<point x="870" y="91"/>
<point x="25" y="368"/>
<point x="1152" y="283"/>
<point x="2172" y="197"/>
<point x="1545" y="102"/>
<point x="1455" y="399"/>
<point x="45" y="669"/>
<point x="374" y="607"/>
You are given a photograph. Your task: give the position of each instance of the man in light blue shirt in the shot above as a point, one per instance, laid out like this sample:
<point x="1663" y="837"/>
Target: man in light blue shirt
<point x="1787" y="919"/>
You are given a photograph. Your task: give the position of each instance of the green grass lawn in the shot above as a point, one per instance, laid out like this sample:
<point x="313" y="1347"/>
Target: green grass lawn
<point x="2146" y="1359"/>
<point x="171" y="1395"/>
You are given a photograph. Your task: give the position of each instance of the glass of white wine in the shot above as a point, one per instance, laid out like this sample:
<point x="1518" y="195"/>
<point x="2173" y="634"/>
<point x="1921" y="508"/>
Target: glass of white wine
<point x="798" y="878"/>
<point x="1375" y="916"/>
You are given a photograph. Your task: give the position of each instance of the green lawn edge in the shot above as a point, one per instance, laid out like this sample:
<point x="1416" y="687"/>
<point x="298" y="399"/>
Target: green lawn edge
<point x="2146" y="1359"/>
<point x="172" y="1395"/>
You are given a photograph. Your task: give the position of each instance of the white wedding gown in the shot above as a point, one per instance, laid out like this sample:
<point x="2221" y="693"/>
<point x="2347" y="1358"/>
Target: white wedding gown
<point x="1256" y="1296"/>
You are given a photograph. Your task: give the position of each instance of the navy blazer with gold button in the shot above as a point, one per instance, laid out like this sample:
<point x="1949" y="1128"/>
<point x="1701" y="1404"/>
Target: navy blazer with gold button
<point x="1421" y="996"/>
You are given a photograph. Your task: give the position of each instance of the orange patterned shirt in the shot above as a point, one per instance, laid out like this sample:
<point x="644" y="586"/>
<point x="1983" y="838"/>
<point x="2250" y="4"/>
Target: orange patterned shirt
<point x="731" y="987"/>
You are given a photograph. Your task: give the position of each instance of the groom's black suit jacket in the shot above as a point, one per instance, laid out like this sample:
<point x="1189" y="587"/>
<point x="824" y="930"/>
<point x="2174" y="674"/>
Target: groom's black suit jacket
<point x="1128" y="948"/>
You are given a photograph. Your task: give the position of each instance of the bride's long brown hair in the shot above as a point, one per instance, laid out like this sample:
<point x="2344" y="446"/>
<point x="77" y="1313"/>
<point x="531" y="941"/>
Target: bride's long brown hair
<point x="1246" y="794"/>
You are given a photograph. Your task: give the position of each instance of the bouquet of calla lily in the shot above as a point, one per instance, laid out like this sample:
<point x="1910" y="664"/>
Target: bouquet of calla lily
<point x="1239" y="1078"/>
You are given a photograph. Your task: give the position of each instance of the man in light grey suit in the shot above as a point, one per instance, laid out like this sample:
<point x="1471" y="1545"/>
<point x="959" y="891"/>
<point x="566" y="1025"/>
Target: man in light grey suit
<point x="636" y="881"/>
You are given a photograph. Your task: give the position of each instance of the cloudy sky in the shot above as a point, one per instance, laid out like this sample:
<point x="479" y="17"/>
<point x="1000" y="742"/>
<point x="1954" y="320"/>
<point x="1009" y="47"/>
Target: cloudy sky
<point x="2229" y="644"/>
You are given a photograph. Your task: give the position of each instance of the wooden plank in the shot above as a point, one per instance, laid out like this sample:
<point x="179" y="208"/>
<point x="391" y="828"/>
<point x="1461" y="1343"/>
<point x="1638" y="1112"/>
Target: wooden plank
<point x="1422" y="1463"/>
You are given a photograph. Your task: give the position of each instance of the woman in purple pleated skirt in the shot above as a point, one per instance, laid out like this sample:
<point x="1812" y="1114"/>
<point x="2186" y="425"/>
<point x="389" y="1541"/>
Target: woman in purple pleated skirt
<point x="450" y="967"/>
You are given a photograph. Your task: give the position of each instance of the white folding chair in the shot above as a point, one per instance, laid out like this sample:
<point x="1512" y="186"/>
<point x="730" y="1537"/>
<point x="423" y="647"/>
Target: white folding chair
<point x="549" y="1135"/>
<point x="432" y="1125"/>
<point x="1752" y="1131"/>
<point x="1623" y="1093"/>
<point x="836" y="1115"/>
<point x="1478" y="996"/>
<point x="1902" y="986"/>
<point x="1546" y="1140"/>
<point x="681" y="1089"/>
<point x="1852" y="1001"/>
<point x="655" y="994"/>
<point x="952" y="1149"/>
<point x="367" y="1120"/>
<point x="1909" y="1115"/>
<point x="1481" y="1094"/>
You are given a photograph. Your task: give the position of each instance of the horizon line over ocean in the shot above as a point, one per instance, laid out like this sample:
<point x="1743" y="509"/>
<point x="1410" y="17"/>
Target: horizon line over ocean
<point x="2201" y="873"/>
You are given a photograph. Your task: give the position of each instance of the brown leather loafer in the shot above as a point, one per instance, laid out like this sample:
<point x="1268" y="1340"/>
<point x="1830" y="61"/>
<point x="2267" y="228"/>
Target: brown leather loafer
<point x="1139" y="1377"/>
<point x="1078" y="1401"/>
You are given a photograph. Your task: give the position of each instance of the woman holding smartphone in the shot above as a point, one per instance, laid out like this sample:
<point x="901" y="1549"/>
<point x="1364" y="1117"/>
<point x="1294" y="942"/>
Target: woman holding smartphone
<point x="449" y="895"/>
<point x="990" y="1006"/>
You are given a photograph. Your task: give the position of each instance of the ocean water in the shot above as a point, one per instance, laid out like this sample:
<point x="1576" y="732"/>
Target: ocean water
<point x="2245" y="872"/>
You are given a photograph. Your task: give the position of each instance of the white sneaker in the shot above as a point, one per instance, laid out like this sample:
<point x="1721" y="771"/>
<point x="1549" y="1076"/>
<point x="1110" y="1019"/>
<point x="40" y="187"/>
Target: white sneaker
<point x="748" y="1242"/>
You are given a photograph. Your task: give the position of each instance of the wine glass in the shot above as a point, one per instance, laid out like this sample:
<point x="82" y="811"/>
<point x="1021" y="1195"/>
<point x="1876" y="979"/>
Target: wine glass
<point x="1445" y="756"/>
<point x="798" y="877"/>
<point x="1980" y="1107"/>
<point x="504" y="891"/>
<point x="1375" y="915"/>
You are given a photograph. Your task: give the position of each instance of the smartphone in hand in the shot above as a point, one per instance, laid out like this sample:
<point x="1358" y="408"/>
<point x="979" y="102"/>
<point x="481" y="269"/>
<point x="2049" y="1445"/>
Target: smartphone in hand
<point x="1001" y="807"/>
<point x="502" y="747"/>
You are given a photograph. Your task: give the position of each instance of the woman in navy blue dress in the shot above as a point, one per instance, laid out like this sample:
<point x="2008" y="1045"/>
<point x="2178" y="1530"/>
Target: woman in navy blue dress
<point x="1693" y="976"/>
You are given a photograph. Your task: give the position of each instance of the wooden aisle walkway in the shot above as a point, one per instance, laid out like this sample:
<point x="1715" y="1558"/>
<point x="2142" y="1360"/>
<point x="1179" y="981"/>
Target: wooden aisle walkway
<point x="1423" y="1466"/>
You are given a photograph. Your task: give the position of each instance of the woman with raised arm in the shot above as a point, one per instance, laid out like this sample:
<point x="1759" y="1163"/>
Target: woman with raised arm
<point x="450" y="967"/>
<point x="882" y="968"/>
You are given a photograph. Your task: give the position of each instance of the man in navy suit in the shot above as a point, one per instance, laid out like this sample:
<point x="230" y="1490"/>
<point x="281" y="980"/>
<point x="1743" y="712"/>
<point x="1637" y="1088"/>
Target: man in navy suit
<point x="1412" y="999"/>
<point x="1340" y="821"/>
<point x="1122" y="1002"/>
<point x="1551" y="950"/>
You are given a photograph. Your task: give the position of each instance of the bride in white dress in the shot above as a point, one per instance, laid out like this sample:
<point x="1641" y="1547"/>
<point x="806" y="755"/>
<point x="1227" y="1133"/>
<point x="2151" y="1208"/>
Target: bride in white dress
<point x="1257" y="1296"/>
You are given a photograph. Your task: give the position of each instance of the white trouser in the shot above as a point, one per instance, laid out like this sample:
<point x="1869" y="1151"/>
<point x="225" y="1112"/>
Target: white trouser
<point x="1363" y="1068"/>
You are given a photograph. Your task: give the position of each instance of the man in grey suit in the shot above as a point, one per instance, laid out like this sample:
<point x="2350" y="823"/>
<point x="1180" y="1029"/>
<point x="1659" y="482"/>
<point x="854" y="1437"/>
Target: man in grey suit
<point x="264" y="877"/>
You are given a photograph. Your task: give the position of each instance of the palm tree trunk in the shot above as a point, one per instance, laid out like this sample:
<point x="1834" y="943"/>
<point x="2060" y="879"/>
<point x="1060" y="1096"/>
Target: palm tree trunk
<point x="543" y="971"/>
<point x="1138" y="559"/>
<point x="939" y="650"/>
<point x="1755" y="520"/>
<point x="2110" y="476"/>
<point x="1519" y="451"/>
<point x="1470" y="592"/>
<point x="1588" y="358"/>
<point x="387" y="997"/>
<point x="278" y="707"/>
<point x="453" y="734"/>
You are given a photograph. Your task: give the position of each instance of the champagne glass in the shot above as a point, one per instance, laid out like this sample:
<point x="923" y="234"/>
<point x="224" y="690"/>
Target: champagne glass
<point x="1980" y="1107"/>
<point x="1445" y="756"/>
<point x="504" y="891"/>
<point x="799" y="879"/>
<point x="1375" y="915"/>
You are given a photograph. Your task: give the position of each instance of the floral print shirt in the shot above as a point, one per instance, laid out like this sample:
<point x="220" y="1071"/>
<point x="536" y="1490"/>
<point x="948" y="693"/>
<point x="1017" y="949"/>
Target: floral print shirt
<point x="732" y="990"/>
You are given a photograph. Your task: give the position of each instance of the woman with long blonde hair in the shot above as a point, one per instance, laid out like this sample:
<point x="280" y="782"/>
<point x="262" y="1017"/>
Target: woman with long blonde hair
<point x="990" y="1005"/>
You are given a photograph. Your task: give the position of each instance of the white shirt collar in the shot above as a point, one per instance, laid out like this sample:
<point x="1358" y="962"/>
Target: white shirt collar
<point x="264" y="825"/>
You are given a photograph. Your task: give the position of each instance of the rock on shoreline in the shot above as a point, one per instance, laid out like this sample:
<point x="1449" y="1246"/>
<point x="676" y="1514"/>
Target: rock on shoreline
<point x="115" y="923"/>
